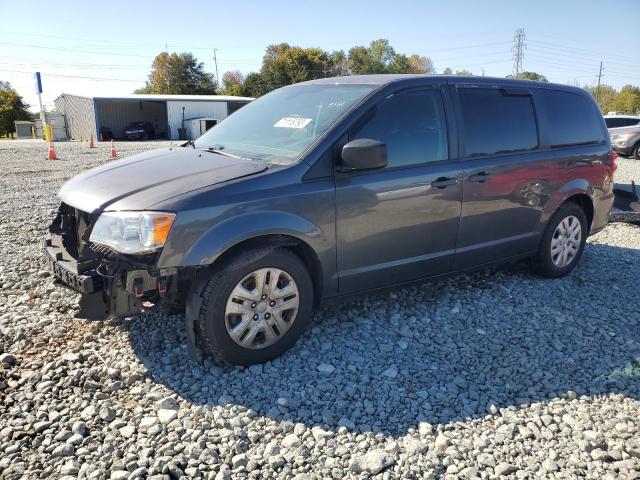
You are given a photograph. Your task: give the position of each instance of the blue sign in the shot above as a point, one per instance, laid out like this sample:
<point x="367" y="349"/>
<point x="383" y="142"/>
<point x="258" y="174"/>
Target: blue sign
<point x="38" y="82"/>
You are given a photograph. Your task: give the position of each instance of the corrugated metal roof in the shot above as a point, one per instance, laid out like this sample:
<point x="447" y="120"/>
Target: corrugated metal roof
<point x="151" y="97"/>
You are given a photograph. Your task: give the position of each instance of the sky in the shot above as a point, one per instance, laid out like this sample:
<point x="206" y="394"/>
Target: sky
<point x="107" y="48"/>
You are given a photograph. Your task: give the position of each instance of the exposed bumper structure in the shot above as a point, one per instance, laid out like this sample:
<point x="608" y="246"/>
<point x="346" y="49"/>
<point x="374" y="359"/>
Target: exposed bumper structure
<point x="626" y="206"/>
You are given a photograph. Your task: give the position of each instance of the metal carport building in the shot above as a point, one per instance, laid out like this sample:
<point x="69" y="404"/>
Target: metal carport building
<point x="86" y="116"/>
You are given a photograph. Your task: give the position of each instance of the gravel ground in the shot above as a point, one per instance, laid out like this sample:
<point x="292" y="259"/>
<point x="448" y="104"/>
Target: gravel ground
<point x="490" y="375"/>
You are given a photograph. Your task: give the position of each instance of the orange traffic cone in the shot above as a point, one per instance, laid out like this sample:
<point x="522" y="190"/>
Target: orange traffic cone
<point x="52" y="152"/>
<point x="113" y="150"/>
<point x="91" y="144"/>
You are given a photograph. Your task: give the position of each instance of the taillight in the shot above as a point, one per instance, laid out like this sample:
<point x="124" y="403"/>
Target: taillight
<point x="613" y="157"/>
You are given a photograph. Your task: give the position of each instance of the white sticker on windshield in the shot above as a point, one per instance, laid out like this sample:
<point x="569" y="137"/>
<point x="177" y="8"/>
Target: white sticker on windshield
<point x="292" y="122"/>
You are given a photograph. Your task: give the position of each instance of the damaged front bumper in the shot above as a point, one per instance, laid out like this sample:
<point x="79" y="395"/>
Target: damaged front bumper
<point x="111" y="286"/>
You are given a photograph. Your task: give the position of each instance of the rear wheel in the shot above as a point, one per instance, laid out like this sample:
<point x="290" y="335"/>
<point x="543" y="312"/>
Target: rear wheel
<point x="255" y="306"/>
<point x="636" y="151"/>
<point x="562" y="243"/>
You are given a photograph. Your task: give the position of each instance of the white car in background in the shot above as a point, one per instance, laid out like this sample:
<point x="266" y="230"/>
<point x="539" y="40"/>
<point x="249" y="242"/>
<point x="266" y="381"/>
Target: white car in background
<point x="624" y="131"/>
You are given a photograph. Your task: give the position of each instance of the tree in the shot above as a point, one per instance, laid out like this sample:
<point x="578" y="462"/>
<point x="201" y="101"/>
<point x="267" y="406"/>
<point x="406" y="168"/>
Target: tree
<point x="447" y="71"/>
<point x="464" y="72"/>
<point x="380" y="57"/>
<point x="283" y="65"/>
<point x="420" y="64"/>
<point x="628" y="100"/>
<point x="254" y="85"/>
<point x="12" y="108"/>
<point x="179" y="74"/>
<point x="604" y="97"/>
<point x="530" y="76"/>
<point x="233" y="83"/>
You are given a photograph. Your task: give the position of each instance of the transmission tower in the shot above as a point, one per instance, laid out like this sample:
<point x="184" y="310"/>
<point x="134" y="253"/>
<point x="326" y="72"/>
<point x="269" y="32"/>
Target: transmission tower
<point x="518" y="52"/>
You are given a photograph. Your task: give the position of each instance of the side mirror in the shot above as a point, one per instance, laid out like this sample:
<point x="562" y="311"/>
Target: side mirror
<point x="363" y="154"/>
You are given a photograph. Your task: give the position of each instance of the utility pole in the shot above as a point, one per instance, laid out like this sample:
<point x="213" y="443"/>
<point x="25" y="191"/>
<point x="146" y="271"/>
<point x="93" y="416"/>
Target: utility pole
<point x="598" y="89"/>
<point x="215" y="60"/>
<point x="518" y="52"/>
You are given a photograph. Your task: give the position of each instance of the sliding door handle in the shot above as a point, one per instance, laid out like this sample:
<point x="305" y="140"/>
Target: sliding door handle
<point x="444" y="182"/>
<point x="480" y="177"/>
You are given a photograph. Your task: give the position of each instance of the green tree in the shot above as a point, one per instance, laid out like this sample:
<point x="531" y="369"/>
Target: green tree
<point x="530" y="76"/>
<point x="233" y="83"/>
<point x="12" y="108"/>
<point x="283" y="65"/>
<point x="447" y="71"/>
<point x="628" y="100"/>
<point x="179" y="74"/>
<point x="254" y="85"/>
<point x="381" y="57"/>
<point x="464" y="72"/>
<point x="604" y="97"/>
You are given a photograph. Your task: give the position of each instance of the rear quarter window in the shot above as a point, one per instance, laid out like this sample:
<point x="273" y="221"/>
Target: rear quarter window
<point x="570" y="119"/>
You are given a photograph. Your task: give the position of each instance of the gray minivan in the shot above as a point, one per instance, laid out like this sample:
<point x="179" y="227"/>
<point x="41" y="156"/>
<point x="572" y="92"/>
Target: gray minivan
<point x="335" y="187"/>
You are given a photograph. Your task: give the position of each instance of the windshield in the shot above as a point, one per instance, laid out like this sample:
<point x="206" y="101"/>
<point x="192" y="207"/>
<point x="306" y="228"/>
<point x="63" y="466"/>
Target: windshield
<point x="279" y="126"/>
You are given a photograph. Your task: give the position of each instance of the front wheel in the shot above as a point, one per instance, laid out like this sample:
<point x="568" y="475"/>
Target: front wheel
<point x="255" y="306"/>
<point x="562" y="243"/>
<point x="636" y="151"/>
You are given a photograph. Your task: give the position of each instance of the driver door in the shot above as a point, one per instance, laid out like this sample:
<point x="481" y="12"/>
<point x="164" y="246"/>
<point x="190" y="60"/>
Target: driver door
<point x="400" y="223"/>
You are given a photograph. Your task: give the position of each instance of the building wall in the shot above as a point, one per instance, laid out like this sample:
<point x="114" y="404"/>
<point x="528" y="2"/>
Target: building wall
<point x="79" y="114"/>
<point x="193" y="109"/>
<point x="116" y="115"/>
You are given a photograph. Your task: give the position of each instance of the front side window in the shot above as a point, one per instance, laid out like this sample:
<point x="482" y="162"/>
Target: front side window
<point x="281" y="125"/>
<point x="495" y="122"/>
<point x="570" y="118"/>
<point x="412" y="125"/>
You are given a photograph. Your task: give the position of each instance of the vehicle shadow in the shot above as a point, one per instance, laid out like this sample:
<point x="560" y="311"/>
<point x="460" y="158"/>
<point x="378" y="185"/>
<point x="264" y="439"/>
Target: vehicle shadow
<point x="437" y="352"/>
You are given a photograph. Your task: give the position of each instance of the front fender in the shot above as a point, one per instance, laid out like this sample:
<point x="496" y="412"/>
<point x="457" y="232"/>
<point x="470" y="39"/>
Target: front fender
<point x="224" y="235"/>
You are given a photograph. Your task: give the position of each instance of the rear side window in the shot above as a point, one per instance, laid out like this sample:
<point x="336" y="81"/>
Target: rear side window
<point x="614" y="122"/>
<point x="570" y="118"/>
<point x="629" y="122"/>
<point x="495" y="122"/>
<point x="412" y="125"/>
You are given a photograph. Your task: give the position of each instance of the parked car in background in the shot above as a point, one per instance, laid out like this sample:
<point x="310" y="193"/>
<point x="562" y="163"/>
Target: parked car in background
<point x="621" y="121"/>
<point x="335" y="187"/>
<point x="626" y="141"/>
<point x="138" y="131"/>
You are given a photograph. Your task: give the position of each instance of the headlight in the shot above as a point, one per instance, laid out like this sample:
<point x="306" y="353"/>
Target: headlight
<point x="132" y="232"/>
<point x="625" y="136"/>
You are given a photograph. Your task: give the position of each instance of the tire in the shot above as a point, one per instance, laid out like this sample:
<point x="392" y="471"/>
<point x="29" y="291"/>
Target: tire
<point x="215" y="321"/>
<point x="636" y="151"/>
<point x="552" y="266"/>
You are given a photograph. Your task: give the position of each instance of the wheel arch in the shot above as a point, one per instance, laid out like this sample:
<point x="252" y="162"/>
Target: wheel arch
<point x="578" y="191"/>
<point x="299" y="247"/>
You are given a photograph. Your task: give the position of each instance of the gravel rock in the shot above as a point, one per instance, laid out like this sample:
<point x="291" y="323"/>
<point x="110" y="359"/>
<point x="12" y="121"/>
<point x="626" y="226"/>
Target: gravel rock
<point x="371" y="462"/>
<point x="467" y="377"/>
<point x="7" y="359"/>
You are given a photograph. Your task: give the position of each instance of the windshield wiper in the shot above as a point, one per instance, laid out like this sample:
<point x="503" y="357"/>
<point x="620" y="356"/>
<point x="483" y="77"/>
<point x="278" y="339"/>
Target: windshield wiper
<point x="220" y="149"/>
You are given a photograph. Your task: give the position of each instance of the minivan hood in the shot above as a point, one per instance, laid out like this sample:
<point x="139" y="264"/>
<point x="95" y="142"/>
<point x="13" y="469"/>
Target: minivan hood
<point x="142" y="180"/>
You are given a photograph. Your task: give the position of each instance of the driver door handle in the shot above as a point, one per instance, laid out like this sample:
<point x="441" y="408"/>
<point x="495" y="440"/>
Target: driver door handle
<point x="479" y="177"/>
<point x="444" y="182"/>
